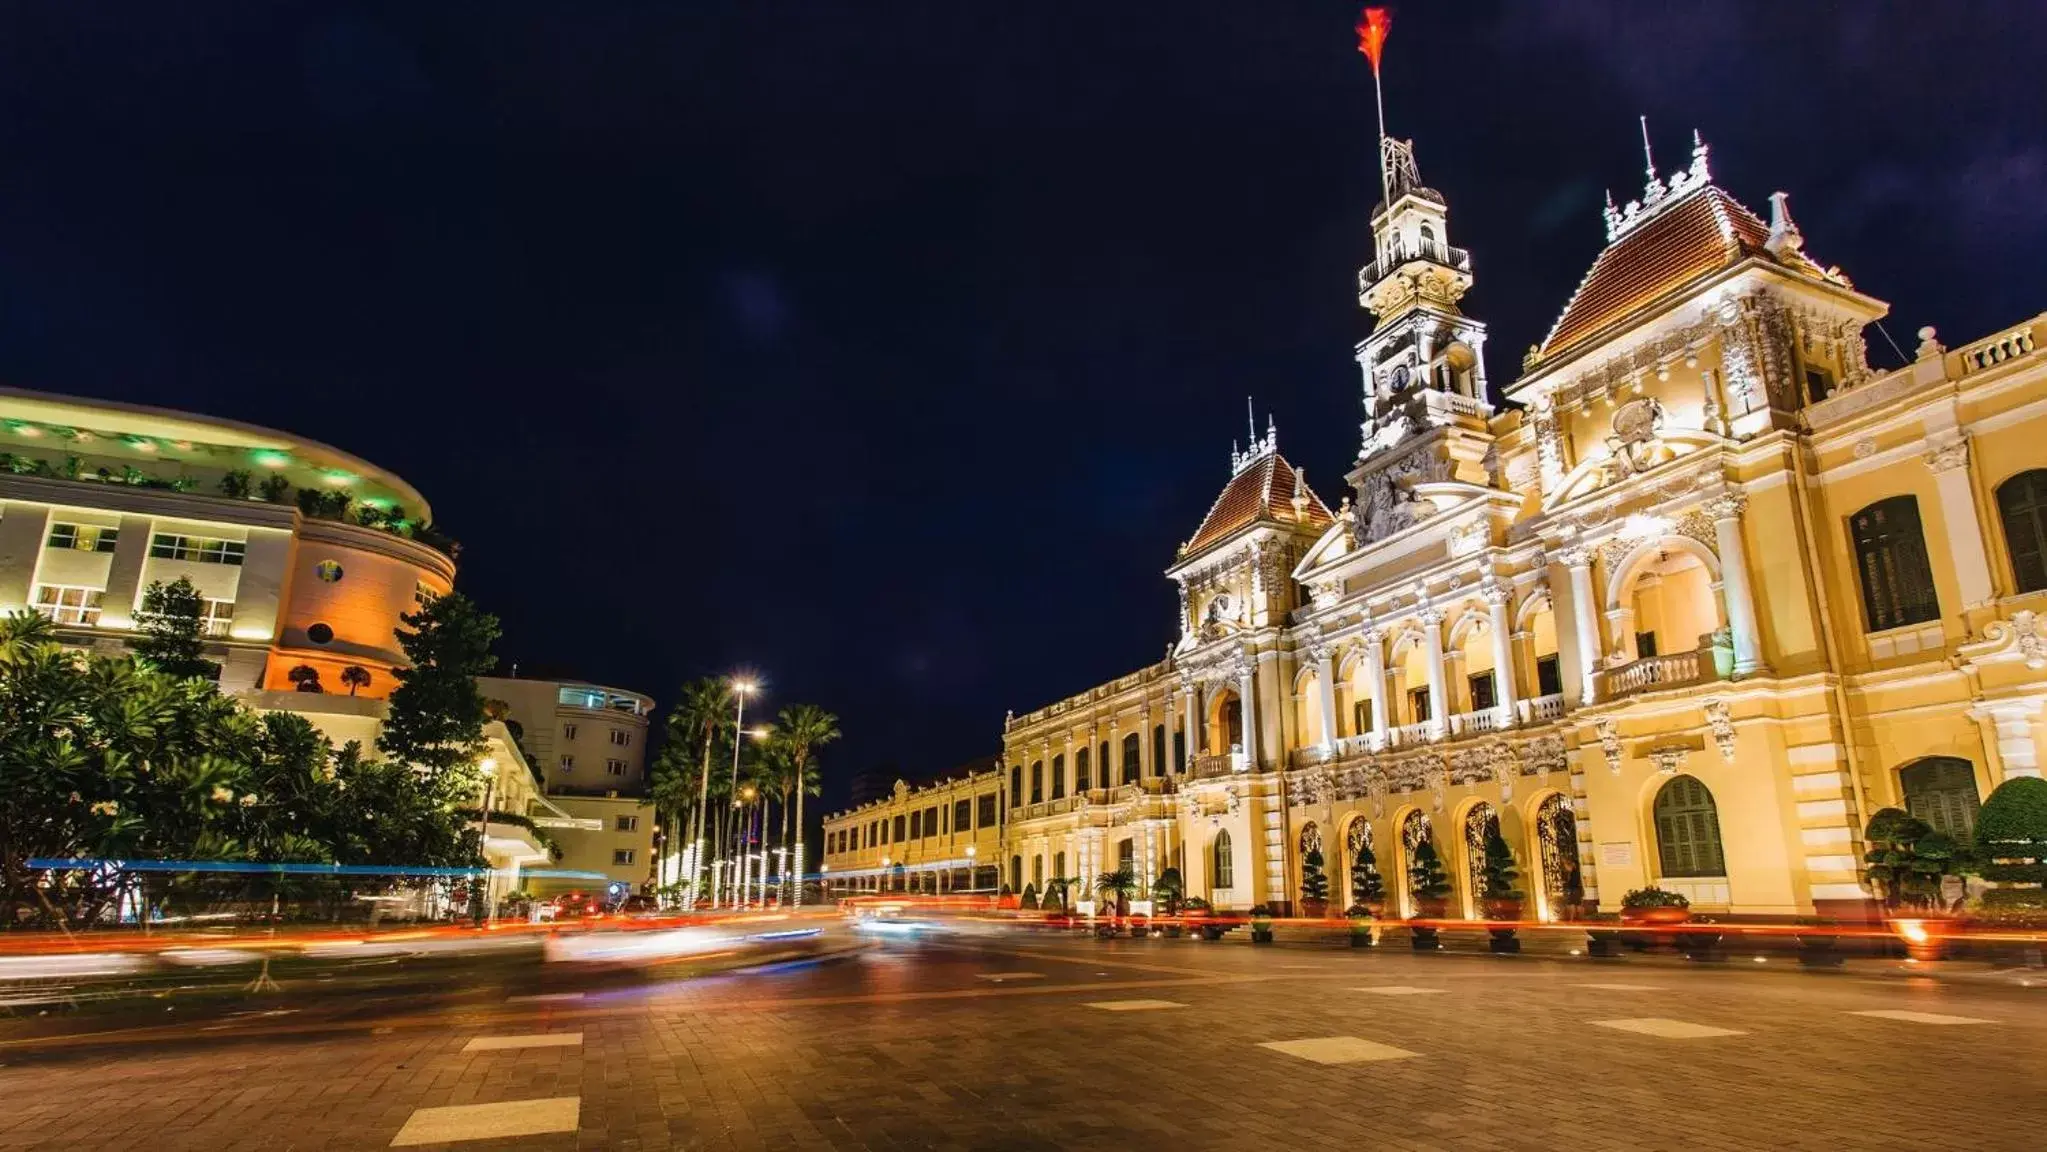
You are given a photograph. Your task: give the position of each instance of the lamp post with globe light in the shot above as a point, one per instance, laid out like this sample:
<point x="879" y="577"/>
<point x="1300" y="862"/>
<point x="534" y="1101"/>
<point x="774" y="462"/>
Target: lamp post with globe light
<point x="741" y="689"/>
<point x="972" y="851"/>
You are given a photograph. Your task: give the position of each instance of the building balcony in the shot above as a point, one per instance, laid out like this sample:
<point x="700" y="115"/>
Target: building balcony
<point x="1223" y="764"/>
<point x="1478" y="721"/>
<point x="1676" y="670"/>
<point x="1542" y="709"/>
<point x="1434" y="251"/>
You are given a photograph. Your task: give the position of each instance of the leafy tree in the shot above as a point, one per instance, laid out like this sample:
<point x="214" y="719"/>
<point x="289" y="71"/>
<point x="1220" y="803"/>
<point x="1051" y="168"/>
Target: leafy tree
<point x="170" y="624"/>
<point x="235" y="484"/>
<point x="1367" y="884"/>
<point x="305" y="678"/>
<point x="801" y="730"/>
<point x="1314" y="881"/>
<point x="1500" y="878"/>
<point x="275" y="489"/>
<point x="703" y="713"/>
<point x="355" y="676"/>
<point x="437" y="713"/>
<point x="1908" y="862"/>
<point x="1426" y="879"/>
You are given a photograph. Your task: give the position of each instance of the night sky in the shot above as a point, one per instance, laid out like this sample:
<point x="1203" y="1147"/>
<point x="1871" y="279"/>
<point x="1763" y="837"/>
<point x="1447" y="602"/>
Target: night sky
<point x="891" y="349"/>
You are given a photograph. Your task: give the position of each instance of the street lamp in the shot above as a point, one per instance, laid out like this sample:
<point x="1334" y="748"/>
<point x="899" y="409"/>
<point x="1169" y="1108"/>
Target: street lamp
<point x="971" y="853"/>
<point x="741" y="689"/>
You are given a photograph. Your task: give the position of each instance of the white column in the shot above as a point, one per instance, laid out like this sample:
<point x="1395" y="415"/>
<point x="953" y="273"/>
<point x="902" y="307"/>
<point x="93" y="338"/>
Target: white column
<point x="1375" y="681"/>
<point x="1325" y="692"/>
<point x="1584" y="614"/>
<point x="1439" y="696"/>
<point x="1247" y="682"/>
<point x="1503" y="654"/>
<point x="1734" y="583"/>
<point x="1949" y="461"/>
<point x="1188" y="734"/>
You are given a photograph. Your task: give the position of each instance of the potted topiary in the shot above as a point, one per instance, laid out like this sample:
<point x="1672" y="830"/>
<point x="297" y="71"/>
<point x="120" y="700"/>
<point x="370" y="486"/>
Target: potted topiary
<point x="1367" y="885"/>
<point x="1361" y="927"/>
<point x="1430" y="886"/>
<point x="1503" y="900"/>
<point x="1908" y="866"/>
<point x="1314" y="885"/>
<point x="1261" y="924"/>
<point x="1654" y="907"/>
<point x="1165" y="895"/>
<point x="1030" y="897"/>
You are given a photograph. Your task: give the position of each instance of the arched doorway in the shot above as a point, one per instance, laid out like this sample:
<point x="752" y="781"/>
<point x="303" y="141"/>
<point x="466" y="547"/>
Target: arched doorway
<point x="1666" y="601"/>
<point x="1357" y="845"/>
<point x="1480" y="823"/>
<point x="1556" y="835"/>
<point x="1225" y="723"/>
<point x="1311" y="841"/>
<point x="1688" y="830"/>
<point x="1415" y="831"/>
<point x="1941" y="790"/>
<point x="1222" y="865"/>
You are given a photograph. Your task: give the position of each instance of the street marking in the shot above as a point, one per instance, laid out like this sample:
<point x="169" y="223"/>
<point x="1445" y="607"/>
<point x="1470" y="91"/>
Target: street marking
<point x="1308" y="967"/>
<point x="1621" y="987"/>
<point x="1338" y="1050"/>
<point x="490" y="1121"/>
<point x="1133" y="1005"/>
<point x="1398" y="990"/>
<point x="537" y="1040"/>
<point x="999" y="977"/>
<point x="1922" y="1017"/>
<point x="542" y="996"/>
<point x="1666" y="1028"/>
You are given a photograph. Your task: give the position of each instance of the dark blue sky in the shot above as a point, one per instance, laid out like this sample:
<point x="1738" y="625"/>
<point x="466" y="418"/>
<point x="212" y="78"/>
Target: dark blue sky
<point x="892" y="348"/>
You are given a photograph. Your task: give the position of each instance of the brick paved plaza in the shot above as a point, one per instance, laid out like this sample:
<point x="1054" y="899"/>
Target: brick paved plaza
<point x="1029" y="1043"/>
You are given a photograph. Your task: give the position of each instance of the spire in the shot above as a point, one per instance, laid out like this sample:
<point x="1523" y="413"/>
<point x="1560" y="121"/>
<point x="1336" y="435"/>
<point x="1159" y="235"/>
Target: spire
<point x="1784" y="235"/>
<point x="1373" y="26"/>
<point x="1260" y="447"/>
<point x="1251" y="421"/>
<point x="1658" y="192"/>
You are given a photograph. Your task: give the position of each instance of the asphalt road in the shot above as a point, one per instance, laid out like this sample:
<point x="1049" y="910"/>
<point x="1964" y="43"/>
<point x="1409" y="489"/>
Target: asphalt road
<point x="1019" y="1042"/>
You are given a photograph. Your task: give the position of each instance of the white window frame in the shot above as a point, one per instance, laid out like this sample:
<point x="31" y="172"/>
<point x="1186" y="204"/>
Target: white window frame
<point x="622" y="856"/>
<point x="568" y="731"/>
<point x="84" y="614"/>
<point x="621" y="737"/>
<point x="197" y="549"/>
<point x="625" y="824"/>
<point x="568" y="762"/>
<point x="216" y="617"/>
<point x="100" y="537"/>
<point x="614" y="767"/>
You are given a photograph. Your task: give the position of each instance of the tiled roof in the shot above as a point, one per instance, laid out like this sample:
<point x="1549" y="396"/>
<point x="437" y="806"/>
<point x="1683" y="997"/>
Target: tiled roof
<point x="1705" y="232"/>
<point x="1263" y="491"/>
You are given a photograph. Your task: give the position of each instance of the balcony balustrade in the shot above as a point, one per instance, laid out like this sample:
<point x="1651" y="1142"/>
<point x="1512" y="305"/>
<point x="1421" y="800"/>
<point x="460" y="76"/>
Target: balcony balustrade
<point x="1543" y="709"/>
<point x="1673" y="671"/>
<point x="1432" y="250"/>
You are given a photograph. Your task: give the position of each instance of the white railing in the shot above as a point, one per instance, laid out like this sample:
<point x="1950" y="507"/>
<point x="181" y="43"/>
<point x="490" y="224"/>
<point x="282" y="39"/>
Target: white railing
<point x="1999" y="348"/>
<point x="1542" y="709"/>
<point x="1671" y="671"/>
<point x="1483" y="720"/>
<point x="1420" y="733"/>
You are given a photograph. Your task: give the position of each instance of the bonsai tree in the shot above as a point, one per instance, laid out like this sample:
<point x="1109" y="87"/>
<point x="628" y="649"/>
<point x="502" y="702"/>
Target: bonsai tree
<point x="305" y="678"/>
<point x="1909" y="862"/>
<point x="1367" y="884"/>
<point x="355" y="676"/>
<point x="1314" y="882"/>
<point x="1167" y="889"/>
<point x="1117" y="888"/>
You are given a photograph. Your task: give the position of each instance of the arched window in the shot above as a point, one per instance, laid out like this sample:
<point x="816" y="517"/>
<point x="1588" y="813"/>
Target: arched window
<point x="1890" y="554"/>
<point x="2022" y="505"/>
<point x="1223" y="865"/>
<point x="1132" y="749"/>
<point x="1081" y="782"/>
<point x="1037" y="781"/>
<point x="1059" y="776"/>
<point x="1941" y="790"/>
<point x="1428" y="238"/>
<point x="1059" y="866"/>
<point x="1016" y="785"/>
<point x="1688" y="829"/>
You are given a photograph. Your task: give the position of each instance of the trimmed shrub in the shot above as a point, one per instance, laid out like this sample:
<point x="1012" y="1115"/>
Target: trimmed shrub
<point x="1654" y="898"/>
<point x="2011" y="831"/>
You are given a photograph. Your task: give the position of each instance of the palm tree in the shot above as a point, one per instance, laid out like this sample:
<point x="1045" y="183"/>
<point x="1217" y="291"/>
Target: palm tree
<point x="700" y="715"/>
<point x="1118" y="887"/>
<point x="355" y="676"/>
<point x="305" y="677"/>
<point x="803" y="729"/>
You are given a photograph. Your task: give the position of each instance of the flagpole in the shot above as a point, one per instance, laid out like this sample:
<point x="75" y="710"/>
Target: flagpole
<point x="1379" y="99"/>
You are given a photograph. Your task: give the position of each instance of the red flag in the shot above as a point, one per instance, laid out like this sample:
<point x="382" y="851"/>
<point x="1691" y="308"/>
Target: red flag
<point x="1372" y="29"/>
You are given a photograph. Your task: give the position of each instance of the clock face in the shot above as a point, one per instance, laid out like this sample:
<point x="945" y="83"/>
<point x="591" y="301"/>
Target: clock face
<point x="1399" y="377"/>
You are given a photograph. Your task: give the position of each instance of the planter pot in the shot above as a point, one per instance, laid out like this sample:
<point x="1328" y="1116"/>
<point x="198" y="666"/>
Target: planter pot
<point x="1723" y="661"/>
<point x="1654" y="917"/>
<point x="1699" y="945"/>
<point x="1603" y="942"/>
<point x="1925" y="937"/>
<point x="1362" y="934"/>
<point x="1314" y="909"/>
<point x="1503" y="940"/>
<point x="1423" y="938"/>
<point x="1212" y="931"/>
<point x="1172" y="931"/>
<point x="1105" y="930"/>
<point x="1261" y="935"/>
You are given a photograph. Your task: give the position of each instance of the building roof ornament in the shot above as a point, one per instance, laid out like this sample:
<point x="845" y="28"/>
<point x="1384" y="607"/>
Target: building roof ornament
<point x="1657" y="193"/>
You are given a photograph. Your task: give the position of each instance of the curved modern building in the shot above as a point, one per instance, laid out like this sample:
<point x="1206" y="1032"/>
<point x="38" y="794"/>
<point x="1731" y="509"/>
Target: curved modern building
<point x="306" y="555"/>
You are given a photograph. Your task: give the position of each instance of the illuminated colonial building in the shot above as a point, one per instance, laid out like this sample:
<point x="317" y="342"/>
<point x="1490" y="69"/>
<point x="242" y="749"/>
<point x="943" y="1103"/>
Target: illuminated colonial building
<point x="943" y="837"/>
<point x="1702" y="596"/>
